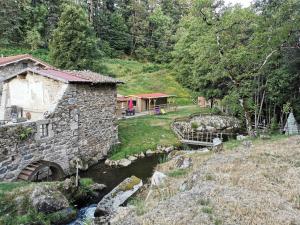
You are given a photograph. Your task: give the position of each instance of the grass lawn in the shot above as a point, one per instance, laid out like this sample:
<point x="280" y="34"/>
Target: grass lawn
<point x="145" y="78"/>
<point x="143" y="133"/>
<point x="4" y="187"/>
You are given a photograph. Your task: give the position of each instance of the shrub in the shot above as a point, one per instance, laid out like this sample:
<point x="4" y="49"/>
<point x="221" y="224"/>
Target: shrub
<point x="178" y="172"/>
<point x="140" y="207"/>
<point x="194" y="126"/>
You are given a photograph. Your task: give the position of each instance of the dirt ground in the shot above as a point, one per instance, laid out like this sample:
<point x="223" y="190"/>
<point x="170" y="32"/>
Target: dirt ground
<point x="248" y="185"/>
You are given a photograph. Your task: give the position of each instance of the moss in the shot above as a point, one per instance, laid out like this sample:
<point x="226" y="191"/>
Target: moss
<point x="133" y="181"/>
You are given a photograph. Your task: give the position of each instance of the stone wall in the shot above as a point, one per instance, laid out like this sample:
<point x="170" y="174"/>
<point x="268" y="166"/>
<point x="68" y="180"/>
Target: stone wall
<point x="41" y="95"/>
<point x="82" y="126"/>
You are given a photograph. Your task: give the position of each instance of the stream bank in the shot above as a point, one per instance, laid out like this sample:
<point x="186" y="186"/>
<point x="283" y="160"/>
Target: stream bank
<point x="111" y="177"/>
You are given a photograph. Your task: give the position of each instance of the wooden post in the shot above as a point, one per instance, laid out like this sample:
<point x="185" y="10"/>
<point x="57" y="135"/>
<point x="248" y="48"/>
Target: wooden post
<point x="77" y="171"/>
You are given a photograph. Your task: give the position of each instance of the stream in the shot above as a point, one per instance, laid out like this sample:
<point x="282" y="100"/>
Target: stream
<point x="111" y="177"/>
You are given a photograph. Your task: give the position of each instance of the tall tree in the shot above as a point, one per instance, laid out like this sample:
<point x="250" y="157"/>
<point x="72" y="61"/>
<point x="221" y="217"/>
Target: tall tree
<point x="225" y="51"/>
<point x="74" y="45"/>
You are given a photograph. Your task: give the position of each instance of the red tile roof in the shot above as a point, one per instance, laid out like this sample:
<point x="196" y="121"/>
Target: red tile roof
<point x="68" y="76"/>
<point x="61" y="75"/>
<point x="13" y="59"/>
<point x="153" y="95"/>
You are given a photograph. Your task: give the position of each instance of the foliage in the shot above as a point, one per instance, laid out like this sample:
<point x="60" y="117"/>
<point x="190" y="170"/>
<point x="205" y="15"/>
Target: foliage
<point x="178" y="173"/>
<point x="86" y="182"/>
<point x="74" y="45"/>
<point x="139" y="205"/>
<point x="34" y="39"/>
<point x="163" y="159"/>
<point x="274" y="127"/>
<point x="194" y="126"/>
<point x="144" y="78"/>
<point x="229" y="51"/>
<point x="24" y="132"/>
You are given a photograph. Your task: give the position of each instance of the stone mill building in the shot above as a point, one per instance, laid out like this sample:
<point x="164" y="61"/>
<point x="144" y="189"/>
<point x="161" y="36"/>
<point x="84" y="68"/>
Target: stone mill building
<point x="53" y="119"/>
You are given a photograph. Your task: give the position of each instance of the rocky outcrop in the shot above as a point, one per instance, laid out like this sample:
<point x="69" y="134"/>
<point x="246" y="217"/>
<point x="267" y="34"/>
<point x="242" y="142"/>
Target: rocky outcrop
<point x="124" y="162"/>
<point x="209" y="123"/>
<point x="158" y="178"/>
<point x="110" y="202"/>
<point x="47" y="200"/>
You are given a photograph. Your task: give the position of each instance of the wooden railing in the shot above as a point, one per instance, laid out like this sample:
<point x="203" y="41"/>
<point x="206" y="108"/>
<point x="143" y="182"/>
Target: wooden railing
<point x="166" y="107"/>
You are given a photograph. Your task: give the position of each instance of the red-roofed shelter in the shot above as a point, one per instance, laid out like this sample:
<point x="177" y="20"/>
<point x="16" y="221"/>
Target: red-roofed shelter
<point x="150" y="101"/>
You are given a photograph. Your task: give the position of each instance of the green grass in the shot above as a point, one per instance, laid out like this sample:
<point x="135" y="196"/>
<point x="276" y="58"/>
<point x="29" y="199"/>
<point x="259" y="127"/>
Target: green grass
<point x="232" y="144"/>
<point x="42" y="54"/>
<point x="145" y="78"/>
<point x="178" y="173"/>
<point x="5" y="187"/>
<point x="140" y="134"/>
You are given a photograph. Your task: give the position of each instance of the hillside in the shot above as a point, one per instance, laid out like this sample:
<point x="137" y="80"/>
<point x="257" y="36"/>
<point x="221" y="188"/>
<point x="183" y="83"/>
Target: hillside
<point x="256" y="184"/>
<point x="139" y="77"/>
<point x="145" y="78"/>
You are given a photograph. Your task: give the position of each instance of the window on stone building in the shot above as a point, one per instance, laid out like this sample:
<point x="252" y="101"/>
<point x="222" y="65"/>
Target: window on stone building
<point x="44" y="130"/>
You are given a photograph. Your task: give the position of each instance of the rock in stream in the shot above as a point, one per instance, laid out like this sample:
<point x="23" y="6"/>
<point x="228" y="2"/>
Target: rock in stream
<point x="110" y="202"/>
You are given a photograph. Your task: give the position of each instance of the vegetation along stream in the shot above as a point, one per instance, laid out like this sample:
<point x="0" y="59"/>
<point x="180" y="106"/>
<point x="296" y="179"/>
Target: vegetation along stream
<point x="111" y="177"/>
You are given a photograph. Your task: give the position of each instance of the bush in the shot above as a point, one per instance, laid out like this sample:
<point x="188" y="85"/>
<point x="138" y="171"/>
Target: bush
<point x="274" y="127"/>
<point x="194" y="126"/>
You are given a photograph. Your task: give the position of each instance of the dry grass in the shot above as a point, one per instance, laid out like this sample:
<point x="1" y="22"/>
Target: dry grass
<point x="257" y="185"/>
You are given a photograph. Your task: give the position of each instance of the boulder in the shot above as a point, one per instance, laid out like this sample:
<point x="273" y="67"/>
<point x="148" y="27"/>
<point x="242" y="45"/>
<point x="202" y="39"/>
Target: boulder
<point x="108" y="162"/>
<point x="98" y="187"/>
<point x="158" y="178"/>
<point x="217" y="144"/>
<point x="183" y="162"/>
<point x="142" y="155"/>
<point x="169" y="149"/>
<point x="110" y="202"/>
<point x="47" y="200"/>
<point x="124" y="162"/>
<point x="132" y="158"/>
<point x="149" y="152"/>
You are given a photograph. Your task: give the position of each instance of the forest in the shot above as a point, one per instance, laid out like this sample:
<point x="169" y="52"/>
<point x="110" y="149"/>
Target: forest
<point x="247" y="57"/>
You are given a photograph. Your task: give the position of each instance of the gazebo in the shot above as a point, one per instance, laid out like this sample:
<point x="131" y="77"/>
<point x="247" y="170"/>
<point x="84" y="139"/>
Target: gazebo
<point x="148" y="102"/>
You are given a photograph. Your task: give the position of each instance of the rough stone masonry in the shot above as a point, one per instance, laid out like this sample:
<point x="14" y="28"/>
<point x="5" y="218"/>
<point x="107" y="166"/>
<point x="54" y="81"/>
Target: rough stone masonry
<point x="82" y="126"/>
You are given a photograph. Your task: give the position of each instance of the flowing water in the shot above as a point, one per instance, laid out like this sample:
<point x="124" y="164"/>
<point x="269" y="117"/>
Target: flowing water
<point x="111" y="177"/>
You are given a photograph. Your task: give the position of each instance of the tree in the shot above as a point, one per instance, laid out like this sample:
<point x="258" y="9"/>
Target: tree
<point x="34" y="39"/>
<point x="11" y="22"/>
<point x="224" y="50"/>
<point x="74" y="45"/>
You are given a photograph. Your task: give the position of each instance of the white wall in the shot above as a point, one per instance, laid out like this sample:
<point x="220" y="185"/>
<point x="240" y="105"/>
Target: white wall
<point x="34" y="93"/>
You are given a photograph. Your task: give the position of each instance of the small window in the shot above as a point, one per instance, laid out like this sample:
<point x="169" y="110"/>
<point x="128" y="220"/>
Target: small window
<point x="44" y="130"/>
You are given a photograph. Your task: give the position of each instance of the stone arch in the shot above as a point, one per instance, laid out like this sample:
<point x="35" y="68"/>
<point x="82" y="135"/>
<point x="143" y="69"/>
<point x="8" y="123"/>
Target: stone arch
<point x="30" y="172"/>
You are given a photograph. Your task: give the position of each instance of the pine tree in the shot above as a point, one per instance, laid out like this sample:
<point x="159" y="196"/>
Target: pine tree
<point x="74" y="45"/>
